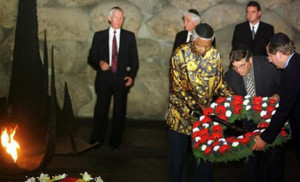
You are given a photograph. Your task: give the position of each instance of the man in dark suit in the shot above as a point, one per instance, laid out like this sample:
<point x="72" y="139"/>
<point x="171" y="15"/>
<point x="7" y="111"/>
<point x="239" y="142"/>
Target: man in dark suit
<point x="114" y="56"/>
<point x="281" y="51"/>
<point x="264" y="78"/>
<point x="191" y="18"/>
<point x="253" y="33"/>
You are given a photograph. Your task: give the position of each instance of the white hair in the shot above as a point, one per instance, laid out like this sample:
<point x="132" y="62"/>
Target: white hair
<point x="111" y="12"/>
<point x="195" y="17"/>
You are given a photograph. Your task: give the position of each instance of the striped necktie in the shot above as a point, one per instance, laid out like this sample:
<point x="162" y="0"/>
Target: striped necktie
<point x="250" y="86"/>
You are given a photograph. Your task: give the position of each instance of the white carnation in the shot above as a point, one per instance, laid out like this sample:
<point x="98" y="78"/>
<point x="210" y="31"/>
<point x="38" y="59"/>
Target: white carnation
<point x="201" y="117"/>
<point x="195" y="129"/>
<point x="226" y="104"/>
<point x="209" y="142"/>
<point x="216" y="148"/>
<point x="213" y="105"/>
<point x="228" y="113"/>
<point x="203" y="147"/>
<point x="277" y="105"/>
<point x="197" y="138"/>
<point x="248" y="107"/>
<point x="235" y="144"/>
<point x="265" y="98"/>
<point x="246" y="102"/>
<point x="268" y="120"/>
<point x="247" y="96"/>
<point x="222" y="140"/>
<point x="215" y="123"/>
<point x="264" y="104"/>
<point x="263" y="113"/>
<point x="273" y="112"/>
<point x="205" y="125"/>
<point x="240" y="137"/>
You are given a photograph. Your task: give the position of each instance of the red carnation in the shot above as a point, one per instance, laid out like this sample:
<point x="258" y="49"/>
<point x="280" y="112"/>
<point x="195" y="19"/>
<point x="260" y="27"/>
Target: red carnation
<point x="217" y="129"/>
<point x="196" y="145"/>
<point x="217" y="136"/>
<point x="215" y="143"/>
<point x="221" y="100"/>
<point x="204" y="139"/>
<point x="270" y="109"/>
<point x="195" y="134"/>
<point x="223" y="149"/>
<point x="238" y="97"/>
<point x="208" y="111"/>
<point x="283" y="133"/>
<point x="263" y="125"/>
<point x="257" y="108"/>
<point x="220" y="110"/>
<point x="237" y="109"/>
<point x="244" y="140"/>
<point x="248" y="134"/>
<point x="206" y="119"/>
<point x="223" y="117"/>
<point x="231" y="139"/>
<point x="272" y="101"/>
<point x="196" y="124"/>
<point x="266" y="116"/>
<point x="257" y="100"/>
<point x="236" y="102"/>
<point x="208" y="150"/>
<point x="203" y="132"/>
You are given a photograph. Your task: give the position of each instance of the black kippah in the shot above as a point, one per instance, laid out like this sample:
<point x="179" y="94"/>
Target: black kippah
<point x="193" y="11"/>
<point x="280" y="39"/>
<point x="204" y="30"/>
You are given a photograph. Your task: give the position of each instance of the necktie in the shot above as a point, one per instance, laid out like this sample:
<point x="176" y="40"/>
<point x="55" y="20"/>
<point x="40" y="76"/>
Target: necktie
<point x="114" y="58"/>
<point x="253" y="33"/>
<point x="250" y="86"/>
<point x="191" y="38"/>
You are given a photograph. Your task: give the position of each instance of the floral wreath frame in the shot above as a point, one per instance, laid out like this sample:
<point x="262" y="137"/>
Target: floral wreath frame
<point x="208" y="140"/>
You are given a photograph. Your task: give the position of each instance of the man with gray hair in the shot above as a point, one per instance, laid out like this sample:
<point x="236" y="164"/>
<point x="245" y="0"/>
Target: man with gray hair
<point x="196" y="75"/>
<point x="191" y="19"/>
<point x="114" y="56"/>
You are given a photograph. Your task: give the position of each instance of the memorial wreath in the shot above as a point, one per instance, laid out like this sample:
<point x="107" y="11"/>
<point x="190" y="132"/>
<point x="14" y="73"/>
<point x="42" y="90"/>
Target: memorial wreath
<point x="209" y="139"/>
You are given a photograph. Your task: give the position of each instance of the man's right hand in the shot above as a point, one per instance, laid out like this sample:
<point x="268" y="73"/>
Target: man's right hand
<point x="104" y="66"/>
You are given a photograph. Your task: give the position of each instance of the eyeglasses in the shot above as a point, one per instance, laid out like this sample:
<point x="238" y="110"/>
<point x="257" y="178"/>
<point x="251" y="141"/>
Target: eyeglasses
<point x="242" y="66"/>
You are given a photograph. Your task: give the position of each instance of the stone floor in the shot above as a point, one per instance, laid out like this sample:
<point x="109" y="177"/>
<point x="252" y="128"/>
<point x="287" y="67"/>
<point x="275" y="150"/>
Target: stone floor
<point x="143" y="157"/>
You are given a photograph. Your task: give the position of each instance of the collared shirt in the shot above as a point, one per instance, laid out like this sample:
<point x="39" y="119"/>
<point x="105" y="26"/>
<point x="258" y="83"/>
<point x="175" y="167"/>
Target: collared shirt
<point x="255" y="26"/>
<point x="188" y="36"/>
<point x="288" y="60"/>
<point x="111" y="35"/>
<point x="193" y="82"/>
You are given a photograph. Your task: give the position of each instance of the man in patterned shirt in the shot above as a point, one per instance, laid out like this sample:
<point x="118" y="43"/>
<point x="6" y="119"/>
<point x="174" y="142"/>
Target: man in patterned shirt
<point x="196" y="75"/>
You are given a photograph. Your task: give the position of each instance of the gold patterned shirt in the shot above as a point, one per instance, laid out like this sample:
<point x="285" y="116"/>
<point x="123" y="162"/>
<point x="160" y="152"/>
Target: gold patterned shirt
<point x="194" y="80"/>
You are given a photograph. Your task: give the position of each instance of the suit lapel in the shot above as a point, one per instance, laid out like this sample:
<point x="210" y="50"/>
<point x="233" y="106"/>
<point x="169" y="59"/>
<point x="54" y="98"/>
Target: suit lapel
<point x="122" y="41"/>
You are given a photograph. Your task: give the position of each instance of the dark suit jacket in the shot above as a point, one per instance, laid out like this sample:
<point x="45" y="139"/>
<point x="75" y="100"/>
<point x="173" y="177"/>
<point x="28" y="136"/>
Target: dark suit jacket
<point x="127" y="57"/>
<point x="243" y="35"/>
<point x="181" y="39"/>
<point x="289" y="106"/>
<point x="267" y="80"/>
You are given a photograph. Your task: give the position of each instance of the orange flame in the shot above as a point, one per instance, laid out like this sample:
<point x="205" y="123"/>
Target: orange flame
<point x="8" y="142"/>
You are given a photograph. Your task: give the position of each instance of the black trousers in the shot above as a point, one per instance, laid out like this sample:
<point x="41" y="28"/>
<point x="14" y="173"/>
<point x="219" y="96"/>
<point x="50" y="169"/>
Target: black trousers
<point x="104" y="96"/>
<point x="178" y="166"/>
<point x="265" y="166"/>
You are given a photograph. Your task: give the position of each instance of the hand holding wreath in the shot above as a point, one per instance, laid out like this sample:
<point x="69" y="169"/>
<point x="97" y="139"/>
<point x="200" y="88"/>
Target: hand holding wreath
<point x="208" y="137"/>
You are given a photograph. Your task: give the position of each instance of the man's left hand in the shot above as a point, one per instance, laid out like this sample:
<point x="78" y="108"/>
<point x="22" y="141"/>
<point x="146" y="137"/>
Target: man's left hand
<point x="259" y="144"/>
<point x="128" y="81"/>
